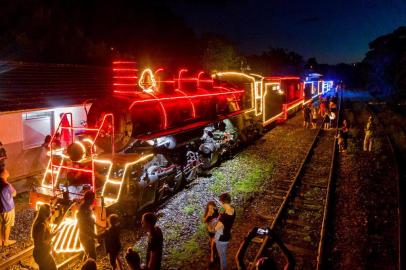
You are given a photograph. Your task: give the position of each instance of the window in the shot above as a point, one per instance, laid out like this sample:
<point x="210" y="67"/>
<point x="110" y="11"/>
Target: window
<point x="36" y="125"/>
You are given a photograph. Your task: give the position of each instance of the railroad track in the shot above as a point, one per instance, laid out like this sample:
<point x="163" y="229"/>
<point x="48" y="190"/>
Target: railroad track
<point x="17" y="258"/>
<point x="24" y="258"/>
<point x="300" y="205"/>
<point x="301" y="218"/>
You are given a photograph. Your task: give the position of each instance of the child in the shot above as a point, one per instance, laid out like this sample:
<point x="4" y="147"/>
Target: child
<point x="112" y="243"/>
<point x="133" y="259"/>
<point x="210" y="219"/>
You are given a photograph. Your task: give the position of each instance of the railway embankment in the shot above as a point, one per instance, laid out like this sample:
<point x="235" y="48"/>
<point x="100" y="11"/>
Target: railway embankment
<point x="364" y="231"/>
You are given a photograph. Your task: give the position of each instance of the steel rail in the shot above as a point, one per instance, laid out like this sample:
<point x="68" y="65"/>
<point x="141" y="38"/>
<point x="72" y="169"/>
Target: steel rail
<point x="333" y="166"/>
<point x="22" y="255"/>
<point x="296" y="179"/>
<point x="65" y="264"/>
<point x="27" y="253"/>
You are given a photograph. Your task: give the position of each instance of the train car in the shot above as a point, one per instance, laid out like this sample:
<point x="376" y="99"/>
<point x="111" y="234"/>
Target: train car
<point x="155" y="133"/>
<point x="291" y="88"/>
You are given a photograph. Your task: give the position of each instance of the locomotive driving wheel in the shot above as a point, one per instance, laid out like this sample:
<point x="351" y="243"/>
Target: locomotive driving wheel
<point x="190" y="171"/>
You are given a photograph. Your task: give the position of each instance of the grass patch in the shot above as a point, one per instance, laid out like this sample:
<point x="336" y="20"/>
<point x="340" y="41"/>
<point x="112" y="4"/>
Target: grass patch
<point x="251" y="182"/>
<point x="189" y="209"/>
<point x="219" y="184"/>
<point x="246" y="179"/>
<point x="191" y="248"/>
<point x="174" y="233"/>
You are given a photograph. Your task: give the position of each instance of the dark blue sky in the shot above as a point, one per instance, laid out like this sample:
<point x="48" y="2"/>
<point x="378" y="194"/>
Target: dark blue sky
<point x="332" y="30"/>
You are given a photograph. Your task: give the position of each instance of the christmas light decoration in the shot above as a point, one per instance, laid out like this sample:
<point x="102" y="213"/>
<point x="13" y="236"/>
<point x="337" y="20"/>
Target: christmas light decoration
<point x="147" y="81"/>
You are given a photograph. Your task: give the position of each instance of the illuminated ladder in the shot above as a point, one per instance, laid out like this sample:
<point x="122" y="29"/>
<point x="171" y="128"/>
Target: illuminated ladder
<point x="51" y="170"/>
<point x="67" y="239"/>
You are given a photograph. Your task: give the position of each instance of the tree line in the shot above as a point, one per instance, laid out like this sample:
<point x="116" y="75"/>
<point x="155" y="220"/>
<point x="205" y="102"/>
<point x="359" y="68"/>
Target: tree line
<point x="96" y="32"/>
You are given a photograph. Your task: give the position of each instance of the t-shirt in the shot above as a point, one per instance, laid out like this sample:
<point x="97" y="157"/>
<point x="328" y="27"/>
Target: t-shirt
<point x="155" y="244"/>
<point x="228" y="221"/>
<point x="86" y="223"/>
<point x="6" y="198"/>
<point x="112" y="242"/>
<point x="42" y="238"/>
<point x="211" y="222"/>
<point x="370" y="129"/>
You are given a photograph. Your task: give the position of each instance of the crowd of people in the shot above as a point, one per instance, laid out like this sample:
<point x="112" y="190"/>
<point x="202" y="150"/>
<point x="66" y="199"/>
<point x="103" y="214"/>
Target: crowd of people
<point x="325" y="108"/>
<point x="219" y="224"/>
<point x="42" y="235"/>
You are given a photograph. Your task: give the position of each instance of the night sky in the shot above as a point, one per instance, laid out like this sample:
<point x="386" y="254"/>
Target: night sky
<point x="333" y="31"/>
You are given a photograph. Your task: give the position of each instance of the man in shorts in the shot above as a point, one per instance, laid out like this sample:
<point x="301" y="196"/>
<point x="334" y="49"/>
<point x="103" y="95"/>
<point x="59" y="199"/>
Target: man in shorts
<point x="7" y="215"/>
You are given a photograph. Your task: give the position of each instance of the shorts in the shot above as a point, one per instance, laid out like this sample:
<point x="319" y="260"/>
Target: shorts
<point x="7" y="218"/>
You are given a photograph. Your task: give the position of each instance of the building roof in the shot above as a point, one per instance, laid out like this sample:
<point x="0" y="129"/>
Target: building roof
<point x="26" y="86"/>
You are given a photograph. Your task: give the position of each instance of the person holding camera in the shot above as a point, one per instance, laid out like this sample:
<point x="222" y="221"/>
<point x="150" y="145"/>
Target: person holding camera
<point x="223" y="229"/>
<point x="265" y="261"/>
<point x="86" y="224"/>
<point x="42" y="238"/>
<point x="210" y="219"/>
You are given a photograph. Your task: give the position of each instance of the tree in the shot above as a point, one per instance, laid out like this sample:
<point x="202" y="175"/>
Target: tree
<point x="277" y="61"/>
<point x="220" y="55"/>
<point x="312" y="63"/>
<point x="386" y="64"/>
<point x="93" y="32"/>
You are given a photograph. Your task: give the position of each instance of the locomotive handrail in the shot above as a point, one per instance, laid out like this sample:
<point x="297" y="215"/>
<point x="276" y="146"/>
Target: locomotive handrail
<point x="93" y="142"/>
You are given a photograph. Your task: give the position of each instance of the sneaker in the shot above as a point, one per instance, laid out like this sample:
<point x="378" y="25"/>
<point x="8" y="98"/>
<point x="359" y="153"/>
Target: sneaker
<point x="9" y="243"/>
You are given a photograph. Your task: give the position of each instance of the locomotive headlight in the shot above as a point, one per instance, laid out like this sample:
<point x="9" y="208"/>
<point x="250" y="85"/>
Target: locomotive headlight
<point x="76" y="151"/>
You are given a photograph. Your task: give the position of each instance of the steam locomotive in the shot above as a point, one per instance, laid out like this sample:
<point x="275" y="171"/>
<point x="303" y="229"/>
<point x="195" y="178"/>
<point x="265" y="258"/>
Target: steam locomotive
<point x="155" y="133"/>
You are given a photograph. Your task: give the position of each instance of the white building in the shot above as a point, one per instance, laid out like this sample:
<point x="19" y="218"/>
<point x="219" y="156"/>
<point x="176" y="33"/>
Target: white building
<point x="32" y="97"/>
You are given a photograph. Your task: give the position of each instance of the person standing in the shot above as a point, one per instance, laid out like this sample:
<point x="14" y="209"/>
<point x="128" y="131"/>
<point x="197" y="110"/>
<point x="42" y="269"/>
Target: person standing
<point x="155" y="241"/>
<point x="42" y="238"/>
<point x="210" y="219"/>
<point x="306" y="116"/>
<point x="223" y="228"/>
<point x="344" y="130"/>
<point x="322" y="108"/>
<point x="43" y="155"/>
<point x="3" y="156"/>
<point x="332" y="106"/>
<point x="7" y="214"/>
<point x="332" y="117"/>
<point x="87" y="225"/>
<point x="112" y="243"/>
<point x="327" y="120"/>
<point x="315" y="115"/>
<point x="369" y="135"/>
